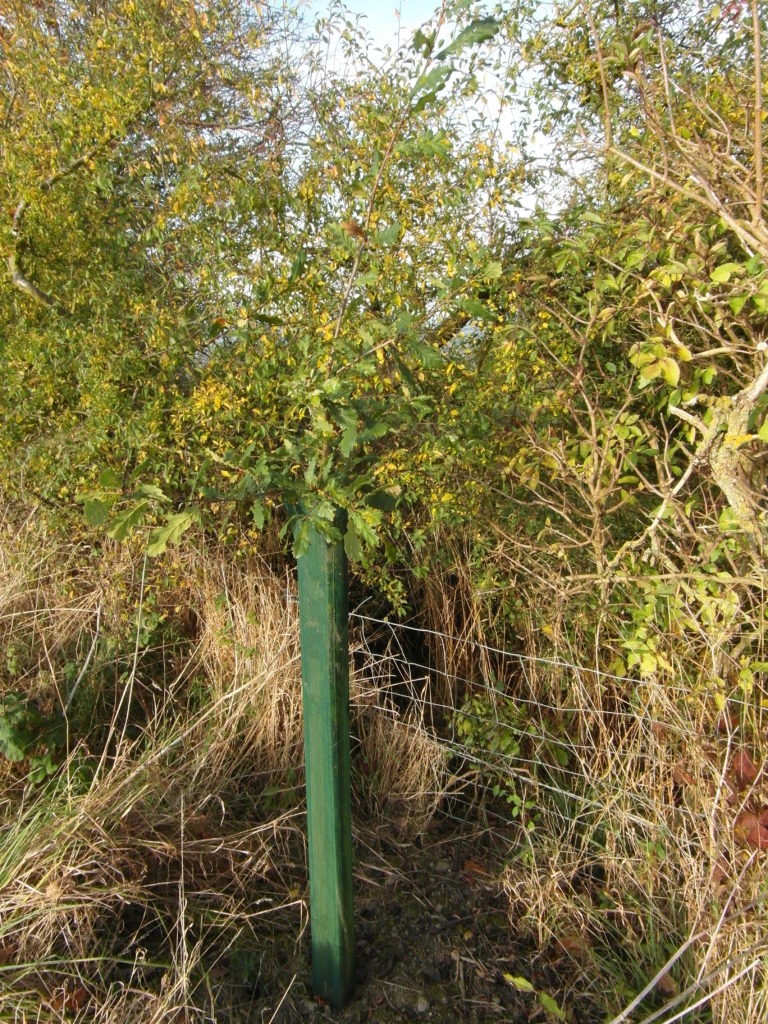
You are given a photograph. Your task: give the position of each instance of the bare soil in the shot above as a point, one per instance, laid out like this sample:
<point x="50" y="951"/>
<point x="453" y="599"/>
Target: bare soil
<point x="433" y="941"/>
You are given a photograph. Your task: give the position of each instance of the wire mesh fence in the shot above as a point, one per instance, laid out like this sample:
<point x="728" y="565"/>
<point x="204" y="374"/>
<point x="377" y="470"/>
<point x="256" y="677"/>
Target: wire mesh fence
<point x="617" y="796"/>
<point x="518" y="722"/>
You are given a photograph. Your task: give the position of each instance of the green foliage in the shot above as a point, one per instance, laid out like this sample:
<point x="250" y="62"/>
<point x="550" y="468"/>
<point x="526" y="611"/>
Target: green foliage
<point x="228" y="341"/>
<point x="27" y="733"/>
<point x="497" y="729"/>
<point x="321" y="289"/>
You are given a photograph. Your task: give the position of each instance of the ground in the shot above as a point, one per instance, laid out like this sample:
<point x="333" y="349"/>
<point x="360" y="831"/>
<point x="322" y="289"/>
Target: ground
<point x="433" y="941"/>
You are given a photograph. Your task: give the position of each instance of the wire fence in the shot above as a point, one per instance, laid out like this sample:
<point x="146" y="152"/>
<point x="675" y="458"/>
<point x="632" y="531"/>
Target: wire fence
<point x="594" y="775"/>
<point x="516" y="730"/>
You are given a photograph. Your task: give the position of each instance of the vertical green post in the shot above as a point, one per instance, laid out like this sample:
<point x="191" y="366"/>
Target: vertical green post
<point x="323" y="614"/>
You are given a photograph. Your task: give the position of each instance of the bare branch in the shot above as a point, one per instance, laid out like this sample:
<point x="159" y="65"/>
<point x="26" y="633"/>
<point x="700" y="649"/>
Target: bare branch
<point x="693" y="421"/>
<point x="758" y="117"/>
<point x="20" y="281"/>
<point x="603" y="80"/>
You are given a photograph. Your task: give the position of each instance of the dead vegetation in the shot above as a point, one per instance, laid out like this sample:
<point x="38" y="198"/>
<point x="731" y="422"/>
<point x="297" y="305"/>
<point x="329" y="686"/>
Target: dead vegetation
<point x="160" y="847"/>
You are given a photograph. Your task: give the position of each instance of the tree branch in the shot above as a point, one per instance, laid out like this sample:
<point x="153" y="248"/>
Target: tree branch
<point x="758" y="116"/>
<point x="603" y="80"/>
<point x="18" y="277"/>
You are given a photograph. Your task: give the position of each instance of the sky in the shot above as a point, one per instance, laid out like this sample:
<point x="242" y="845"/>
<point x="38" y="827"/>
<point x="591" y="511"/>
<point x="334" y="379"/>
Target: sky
<point x="382" y="18"/>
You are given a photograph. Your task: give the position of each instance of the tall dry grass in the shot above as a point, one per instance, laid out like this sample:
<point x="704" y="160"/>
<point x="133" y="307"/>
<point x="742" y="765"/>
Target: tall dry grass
<point x="641" y="874"/>
<point x="170" y="836"/>
<point x="136" y="875"/>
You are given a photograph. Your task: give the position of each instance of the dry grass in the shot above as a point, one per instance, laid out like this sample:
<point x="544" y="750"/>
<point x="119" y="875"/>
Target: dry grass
<point x="640" y="879"/>
<point x="169" y="831"/>
<point x="151" y="857"/>
<point x="130" y="876"/>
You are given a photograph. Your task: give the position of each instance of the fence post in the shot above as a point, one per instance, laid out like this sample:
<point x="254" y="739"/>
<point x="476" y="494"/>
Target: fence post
<point x="324" y="626"/>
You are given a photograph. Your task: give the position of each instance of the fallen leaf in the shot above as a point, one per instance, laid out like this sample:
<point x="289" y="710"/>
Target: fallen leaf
<point x="472" y="868"/>
<point x="752" y="830"/>
<point x="573" y="942"/>
<point x="76" y="1000"/>
<point x="720" y="872"/>
<point x="757" y="838"/>
<point x="659" y="730"/>
<point x="666" y="985"/>
<point x="682" y="777"/>
<point x="727" y="724"/>
<point x="70" y="1002"/>
<point x="743" y="767"/>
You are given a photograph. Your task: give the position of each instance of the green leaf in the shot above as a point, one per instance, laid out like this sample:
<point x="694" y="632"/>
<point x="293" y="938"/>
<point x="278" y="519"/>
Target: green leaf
<point x="108" y="479"/>
<point x="348" y="440"/>
<point x="301" y="539"/>
<point x="257" y="515"/>
<point x="352" y="543"/>
<point x="429" y="357"/>
<point x="373" y="430"/>
<point x="521" y="984"/>
<point x="650" y="371"/>
<point x="561" y="756"/>
<point x="737" y="303"/>
<point x="15" y="733"/>
<point x="152" y="491"/>
<point x="728" y="520"/>
<point x="126" y="522"/>
<point x="176" y="524"/>
<point x="429" y="85"/>
<point x="389" y="235"/>
<point x="385" y="501"/>
<point x="669" y="370"/>
<point x="551" y="1006"/>
<point x="723" y="273"/>
<point x="476" y="309"/>
<point x="763" y="431"/>
<point x="263" y="318"/>
<point x="423" y="43"/>
<point x="635" y="259"/>
<point x="491" y="271"/>
<point x="561" y="258"/>
<point x="95" y="512"/>
<point x="477" y="32"/>
<point x="297" y="268"/>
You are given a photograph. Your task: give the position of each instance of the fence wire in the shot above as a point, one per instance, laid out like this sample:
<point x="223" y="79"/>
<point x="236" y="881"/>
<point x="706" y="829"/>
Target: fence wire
<point x="510" y="732"/>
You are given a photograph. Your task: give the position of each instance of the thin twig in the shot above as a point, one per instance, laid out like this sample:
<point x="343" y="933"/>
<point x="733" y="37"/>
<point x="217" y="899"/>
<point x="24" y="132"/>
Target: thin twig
<point x="758" y="116"/>
<point x="603" y="80"/>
